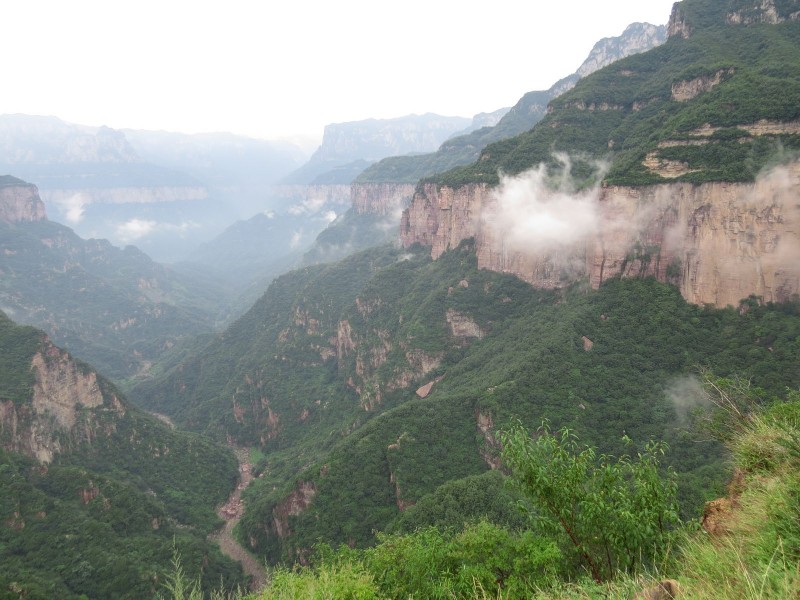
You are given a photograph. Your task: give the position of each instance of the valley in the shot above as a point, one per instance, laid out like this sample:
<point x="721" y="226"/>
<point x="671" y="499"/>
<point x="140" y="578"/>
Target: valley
<point x="550" y="351"/>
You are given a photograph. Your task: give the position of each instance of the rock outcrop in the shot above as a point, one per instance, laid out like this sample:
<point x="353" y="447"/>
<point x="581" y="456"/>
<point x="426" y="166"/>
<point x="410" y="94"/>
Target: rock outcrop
<point x="20" y="202"/>
<point x="718" y="242"/>
<point x="293" y="505"/>
<point x="637" y="37"/>
<point x="61" y="411"/>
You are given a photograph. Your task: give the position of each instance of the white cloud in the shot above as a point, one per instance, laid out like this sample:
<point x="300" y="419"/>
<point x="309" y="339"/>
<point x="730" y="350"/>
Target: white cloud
<point x="135" y="229"/>
<point x="297" y="236"/>
<point x="73" y="208"/>
<point x="532" y="218"/>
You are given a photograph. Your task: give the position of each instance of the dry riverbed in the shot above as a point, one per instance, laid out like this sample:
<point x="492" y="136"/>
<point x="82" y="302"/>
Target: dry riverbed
<point x="231" y="512"/>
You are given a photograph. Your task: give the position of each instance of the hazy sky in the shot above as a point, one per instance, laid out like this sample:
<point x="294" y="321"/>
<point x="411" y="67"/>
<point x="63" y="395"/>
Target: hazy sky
<point x="270" y="69"/>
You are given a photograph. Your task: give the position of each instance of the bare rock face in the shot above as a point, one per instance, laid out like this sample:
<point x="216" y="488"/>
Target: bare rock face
<point x="441" y="217"/>
<point x="295" y="504"/>
<point x="57" y="414"/>
<point x="20" y="202"/>
<point x="718" y="242"/>
<point x="637" y="37"/>
<point x="381" y="198"/>
<point x="463" y="326"/>
<point x="683" y="91"/>
<point x="677" y="25"/>
<point x="761" y="11"/>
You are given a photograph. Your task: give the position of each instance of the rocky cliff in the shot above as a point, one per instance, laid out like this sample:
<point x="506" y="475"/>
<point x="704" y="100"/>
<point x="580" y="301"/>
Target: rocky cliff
<point x="718" y="242"/>
<point x="380" y="198"/>
<point x="64" y="408"/>
<point x="20" y="202"/>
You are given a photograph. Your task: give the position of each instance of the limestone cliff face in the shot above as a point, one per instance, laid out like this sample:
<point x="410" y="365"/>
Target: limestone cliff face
<point x="380" y="198"/>
<point x="718" y="242"/>
<point x="62" y="410"/>
<point x="637" y="37"/>
<point x="441" y="217"/>
<point x="20" y="202"/>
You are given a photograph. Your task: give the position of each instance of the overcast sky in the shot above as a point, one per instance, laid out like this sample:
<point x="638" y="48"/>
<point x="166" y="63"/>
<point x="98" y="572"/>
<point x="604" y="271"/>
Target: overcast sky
<point x="273" y="69"/>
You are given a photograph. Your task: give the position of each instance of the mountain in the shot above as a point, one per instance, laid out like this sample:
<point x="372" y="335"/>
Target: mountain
<point x="249" y="254"/>
<point x="166" y="192"/>
<point x="96" y="495"/>
<point x="529" y="110"/>
<point x="114" y="307"/>
<point x="676" y="163"/>
<point x="239" y="172"/>
<point x="371" y="140"/>
<point x="371" y="383"/>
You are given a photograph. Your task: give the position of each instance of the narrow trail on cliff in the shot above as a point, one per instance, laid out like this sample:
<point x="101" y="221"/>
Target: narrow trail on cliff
<point x="231" y="512"/>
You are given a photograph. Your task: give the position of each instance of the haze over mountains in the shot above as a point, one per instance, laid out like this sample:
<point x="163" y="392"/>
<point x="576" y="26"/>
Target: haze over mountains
<point x="365" y="344"/>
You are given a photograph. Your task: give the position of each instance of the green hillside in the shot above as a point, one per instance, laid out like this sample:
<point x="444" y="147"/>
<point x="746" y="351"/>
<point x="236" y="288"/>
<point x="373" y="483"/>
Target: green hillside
<point x="274" y="380"/>
<point x="748" y="550"/>
<point x="320" y="375"/>
<point x="115" y="308"/>
<point x="625" y="111"/>
<point x="103" y="519"/>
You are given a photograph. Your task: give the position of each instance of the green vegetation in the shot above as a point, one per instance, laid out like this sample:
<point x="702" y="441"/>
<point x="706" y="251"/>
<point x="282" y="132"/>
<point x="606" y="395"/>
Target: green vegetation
<point x="622" y="112"/>
<point x="21" y="343"/>
<point x="101" y="520"/>
<point x="321" y="400"/>
<point x="615" y="514"/>
<point x="114" y="308"/>
<point x="351" y="233"/>
<point x="751" y="552"/>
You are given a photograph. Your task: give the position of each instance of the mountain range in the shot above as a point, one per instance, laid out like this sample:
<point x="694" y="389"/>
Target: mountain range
<point x="588" y="265"/>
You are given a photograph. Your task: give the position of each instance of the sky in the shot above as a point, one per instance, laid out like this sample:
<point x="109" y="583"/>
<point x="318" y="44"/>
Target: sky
<point x="277" y="69"/>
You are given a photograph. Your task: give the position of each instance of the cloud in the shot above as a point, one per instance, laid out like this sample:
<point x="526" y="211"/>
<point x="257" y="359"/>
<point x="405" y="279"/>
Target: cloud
<point x="309" y="206"/>
<point x="297" y="237"/>
<point x="686" y="394"/>
<point x="135" y="229"/>
<point x="73" y="208"/>
<point x="532" y="217"/>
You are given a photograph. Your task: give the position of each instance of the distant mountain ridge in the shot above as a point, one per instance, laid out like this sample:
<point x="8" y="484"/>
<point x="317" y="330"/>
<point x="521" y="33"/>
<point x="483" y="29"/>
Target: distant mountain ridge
<point x="113" y="307"/>
<point x="637" y="37"/>
<point x="165" y="191"/>
<point x="372" y="139"/>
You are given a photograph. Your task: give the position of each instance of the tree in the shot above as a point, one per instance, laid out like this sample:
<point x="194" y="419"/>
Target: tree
<point x="611" y="514"/>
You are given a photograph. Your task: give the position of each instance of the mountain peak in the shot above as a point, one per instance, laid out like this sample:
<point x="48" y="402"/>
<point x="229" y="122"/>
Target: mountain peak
<point x="637" y="37"/>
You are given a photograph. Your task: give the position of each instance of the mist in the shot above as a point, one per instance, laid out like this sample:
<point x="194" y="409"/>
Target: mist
<point x="533" y="218"/>
<point x="686" y="394"/>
